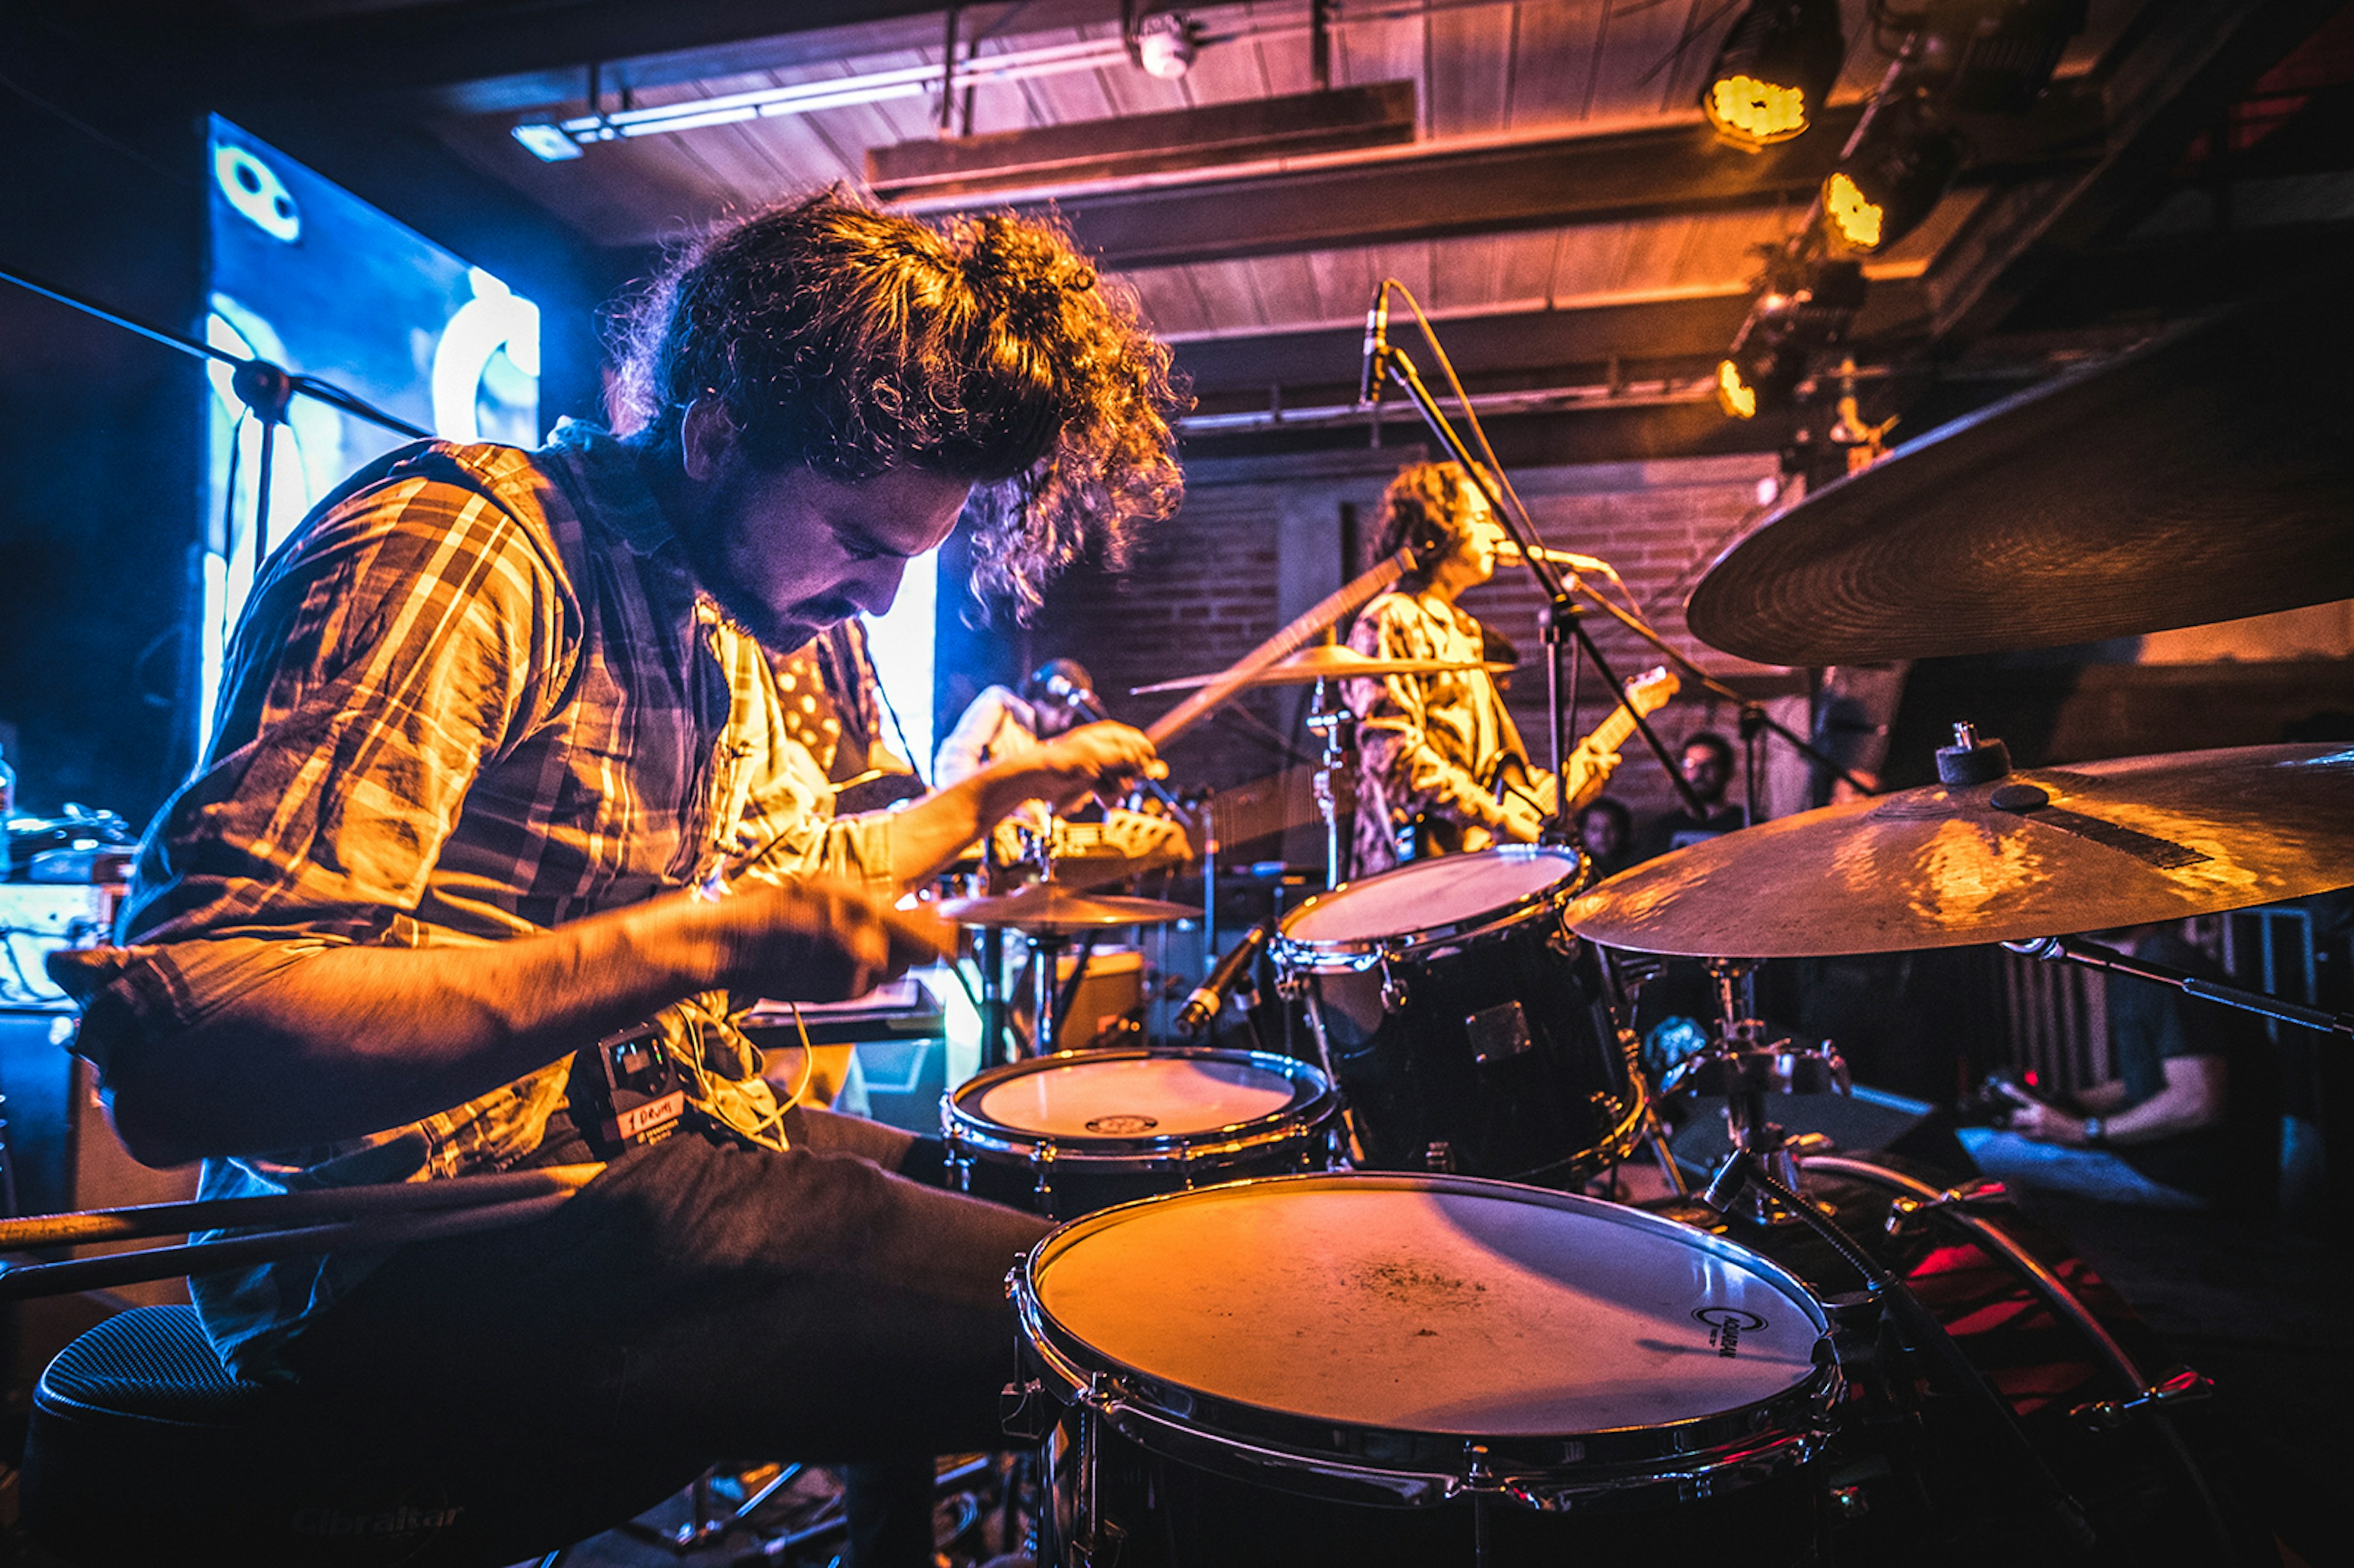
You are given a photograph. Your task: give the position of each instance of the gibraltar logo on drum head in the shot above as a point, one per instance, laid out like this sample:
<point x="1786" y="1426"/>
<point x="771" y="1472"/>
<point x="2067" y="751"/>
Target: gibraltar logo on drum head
<point x="1123" y="1125"/>
<point x="1726" y="1325"/>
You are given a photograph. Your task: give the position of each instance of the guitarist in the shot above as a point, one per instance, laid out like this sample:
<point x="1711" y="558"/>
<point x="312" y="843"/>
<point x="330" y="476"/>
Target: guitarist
<point x="1433" y="749"/>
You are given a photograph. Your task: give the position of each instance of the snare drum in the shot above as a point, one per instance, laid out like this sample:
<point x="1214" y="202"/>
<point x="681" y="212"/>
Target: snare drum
<point x="1394" y="1369"/>
<point x="1098" y="1128"/>
<point x="1466" y="1025"/>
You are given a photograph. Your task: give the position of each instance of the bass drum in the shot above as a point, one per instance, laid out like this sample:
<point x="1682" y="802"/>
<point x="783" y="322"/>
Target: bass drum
<point x="1468" y="1028"/>
<point x="1915" y="1474"/>
<point x="1091" y="1128"/>
<point x="1377" y="1370"/>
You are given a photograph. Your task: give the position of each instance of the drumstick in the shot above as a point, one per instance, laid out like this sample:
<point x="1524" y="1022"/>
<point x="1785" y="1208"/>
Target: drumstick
<point x="1352" y="596"/>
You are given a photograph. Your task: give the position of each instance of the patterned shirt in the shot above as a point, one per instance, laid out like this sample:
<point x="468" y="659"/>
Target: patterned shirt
<point x="477" y="695"/>
<point x="1427" y="745"/>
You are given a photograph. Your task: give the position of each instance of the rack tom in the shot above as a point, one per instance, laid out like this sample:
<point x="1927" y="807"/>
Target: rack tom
<point x="1467" y="1026"/>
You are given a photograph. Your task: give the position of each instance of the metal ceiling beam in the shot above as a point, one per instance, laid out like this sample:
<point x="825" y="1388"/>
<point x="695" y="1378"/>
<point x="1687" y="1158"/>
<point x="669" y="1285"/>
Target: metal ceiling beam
<point x="2173" y="79"/>
<point x="1382" y="200"/>
<point x="1514" y="349"/>
<point x="1384" y="197"/>
<point x="514" y="53"/>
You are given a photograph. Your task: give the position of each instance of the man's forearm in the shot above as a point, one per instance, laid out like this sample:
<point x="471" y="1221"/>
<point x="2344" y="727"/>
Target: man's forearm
<point x="356" y="1040"/>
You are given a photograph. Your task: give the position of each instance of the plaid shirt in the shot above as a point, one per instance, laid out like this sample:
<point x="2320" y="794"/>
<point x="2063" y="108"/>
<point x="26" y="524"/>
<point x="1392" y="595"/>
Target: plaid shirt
<point x="476" y="697"/>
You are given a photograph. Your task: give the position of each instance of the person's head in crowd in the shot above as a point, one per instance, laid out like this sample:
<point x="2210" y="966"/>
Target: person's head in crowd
<point x="1706" y="763"/>
<point x="818" y="392"/>
<point x="1052" y="693"/>
<point x="1438" y="501"/>
<point x="1605" y="827"/>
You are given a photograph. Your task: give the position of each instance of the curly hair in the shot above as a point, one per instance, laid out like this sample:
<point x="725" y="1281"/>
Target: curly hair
<point x="852" y="341"/>
<point x="1426" y="497"/>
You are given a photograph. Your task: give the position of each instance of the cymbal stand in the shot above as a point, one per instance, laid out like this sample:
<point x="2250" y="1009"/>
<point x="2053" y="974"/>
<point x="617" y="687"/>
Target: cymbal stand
<point x="2093" y="956"/>
<point x="1743" y="1066"/>
<point x="1328" y="724"/>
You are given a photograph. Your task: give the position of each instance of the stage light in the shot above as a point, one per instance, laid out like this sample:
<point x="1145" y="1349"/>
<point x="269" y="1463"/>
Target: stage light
<point x="1774" y="71"/>
<point x="1993" y="56"/>
<point x="1892" y="179"/>
<point x="1165" y="45"/>
<point x="1802" y="308"/>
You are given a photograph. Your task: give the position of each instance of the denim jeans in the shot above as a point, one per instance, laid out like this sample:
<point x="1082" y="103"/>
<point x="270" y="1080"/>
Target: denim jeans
<point x="701" y="1300"/>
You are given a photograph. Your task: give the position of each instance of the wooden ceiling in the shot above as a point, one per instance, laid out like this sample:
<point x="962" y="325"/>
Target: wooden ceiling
<point x="1561" y="211"/>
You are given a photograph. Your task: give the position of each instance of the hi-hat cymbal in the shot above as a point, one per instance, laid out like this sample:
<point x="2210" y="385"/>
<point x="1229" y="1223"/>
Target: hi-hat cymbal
<point x="1047" y="908"/>
<point x="2203" y="478"/>
<point x="1327" y="661"/>
<point x="2043" y="852"/>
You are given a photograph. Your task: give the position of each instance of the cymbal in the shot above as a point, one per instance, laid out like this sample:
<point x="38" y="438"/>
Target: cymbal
<point x="1327" y="661"/>
<point x="2201" y="478"/>
<point x="2114" y="844"/>
<point x="1047" y="908"/>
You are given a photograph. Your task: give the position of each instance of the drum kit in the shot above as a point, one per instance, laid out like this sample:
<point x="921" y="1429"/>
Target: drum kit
<point x="1360" y="1309"/>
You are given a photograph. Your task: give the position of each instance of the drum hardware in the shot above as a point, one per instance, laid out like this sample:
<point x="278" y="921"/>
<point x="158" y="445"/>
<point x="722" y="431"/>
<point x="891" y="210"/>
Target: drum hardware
<point x="2011" y="1461"/>
<point x="2106" y="1414"/>
<point x="1330" y="724"/>
<point x="1965" y="1207"/>
<point x="1903" y="1210"/>
<point x="2030" y="854"/>
<point x="2093" y="956"/>
<point x="1743" y="1066"/>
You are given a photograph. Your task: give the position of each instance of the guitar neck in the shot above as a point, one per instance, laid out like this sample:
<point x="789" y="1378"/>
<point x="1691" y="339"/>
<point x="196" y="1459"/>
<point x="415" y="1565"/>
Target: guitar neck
<point x="1352" y="596"/>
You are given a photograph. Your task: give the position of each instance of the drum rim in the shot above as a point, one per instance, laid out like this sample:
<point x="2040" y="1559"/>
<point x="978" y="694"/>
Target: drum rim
<point x="1622" y="1464"/>
<point x="1312" y="956"/>
<point x="1304" y="1118"/>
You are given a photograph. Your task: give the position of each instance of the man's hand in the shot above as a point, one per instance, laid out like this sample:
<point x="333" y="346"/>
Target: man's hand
<point x="1099" y="758"/>
<point x="2031" y="1117"/>
<point x="1520" y="823"/>
<point x="822" y="941"/>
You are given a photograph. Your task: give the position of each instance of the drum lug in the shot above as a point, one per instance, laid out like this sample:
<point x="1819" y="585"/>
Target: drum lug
<point x="1025" y="1411"/>
<point x="1439" y="1156"/>
<point x="1041" y="1168"/>
<point x="2184" y="1387"/>
<point x="1978" y="1192"/>
<point x="1395" y="993"/>
<point x="1291" y="985"/>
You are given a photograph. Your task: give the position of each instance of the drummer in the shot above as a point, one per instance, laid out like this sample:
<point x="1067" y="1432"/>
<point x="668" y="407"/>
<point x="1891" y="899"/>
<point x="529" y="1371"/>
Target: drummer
<point x="498" y="779"/>
<point x="1441" y="768"/>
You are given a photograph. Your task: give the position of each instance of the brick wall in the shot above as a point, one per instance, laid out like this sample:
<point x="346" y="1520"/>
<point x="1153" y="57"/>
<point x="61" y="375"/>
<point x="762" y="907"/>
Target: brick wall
<point x="1259" y="541"/>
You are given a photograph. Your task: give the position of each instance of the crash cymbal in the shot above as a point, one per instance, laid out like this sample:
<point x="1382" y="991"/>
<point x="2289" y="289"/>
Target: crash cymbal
<point x="1049" y="907"/>
<point x="1327" y="662"/>
<point x="2203" y="478"/>
<point x="2042" y="852"/>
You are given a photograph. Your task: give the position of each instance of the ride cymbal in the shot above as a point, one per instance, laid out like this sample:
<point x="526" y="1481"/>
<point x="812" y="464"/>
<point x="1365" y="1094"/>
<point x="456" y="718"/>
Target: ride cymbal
<point x="1047" y="908"/>
<point x="1327" y="662"/>
<point x="2201" y="478"/>
<point x="2040" y="851"/>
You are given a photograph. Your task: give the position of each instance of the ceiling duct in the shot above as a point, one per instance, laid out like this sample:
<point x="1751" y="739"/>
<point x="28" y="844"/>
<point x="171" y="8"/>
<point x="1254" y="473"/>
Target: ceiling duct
<point x="1091" y="150"/>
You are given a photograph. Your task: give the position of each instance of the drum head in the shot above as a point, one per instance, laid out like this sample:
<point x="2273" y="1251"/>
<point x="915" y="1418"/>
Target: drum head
<point x="1428" y="895"/>
<point x="1430" y="1305"/>
<point x="1129" y="1095"/>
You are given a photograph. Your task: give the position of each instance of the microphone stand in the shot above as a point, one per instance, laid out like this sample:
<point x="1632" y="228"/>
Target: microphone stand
<point x="1562" y="614"/>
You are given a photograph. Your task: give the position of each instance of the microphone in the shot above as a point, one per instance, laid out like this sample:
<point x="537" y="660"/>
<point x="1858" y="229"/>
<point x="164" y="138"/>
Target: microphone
<point x="1064" y="689"/>
<point x="1377" y="343"/>
<point x="1069" y="691"/>
<point x="1211" y="994"/>
<point x="1511" y="555"/>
